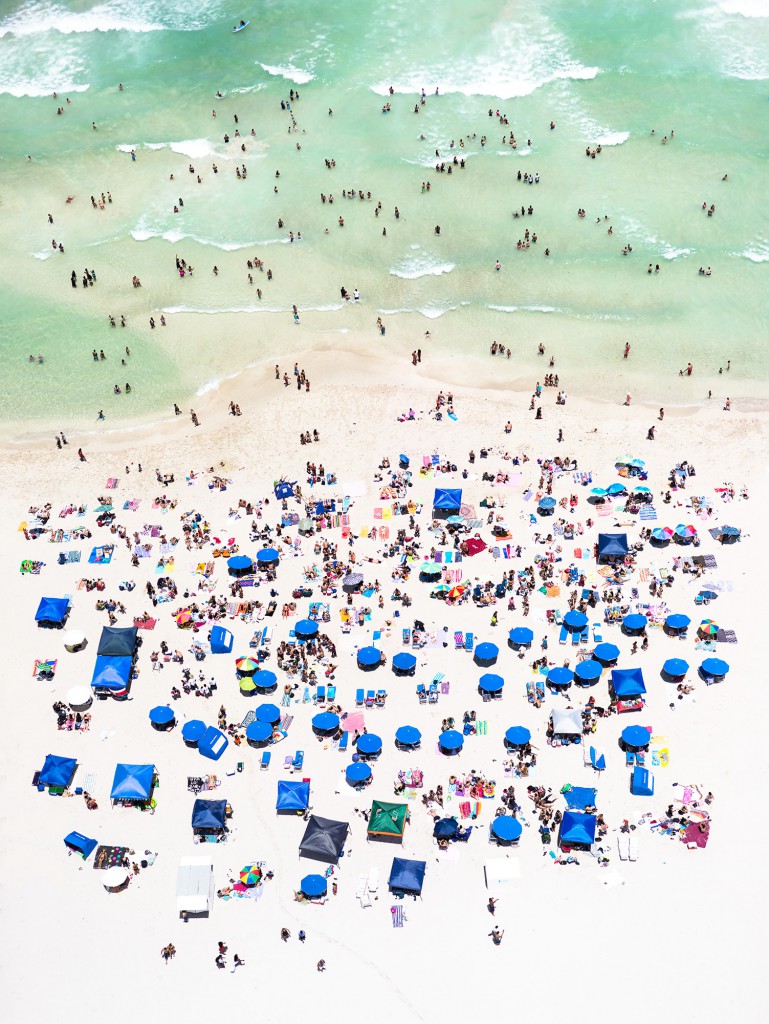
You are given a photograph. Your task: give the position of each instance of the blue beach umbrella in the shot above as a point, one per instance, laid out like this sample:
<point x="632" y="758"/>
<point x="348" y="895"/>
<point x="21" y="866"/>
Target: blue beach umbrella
<point x="588" y="671"/>
<point x="491" y="683"/>
<point x="313" y="886"/>
<point x="259" y="732"/>
<point x="677" y="622"/>
<point x="575" y="621"/>
<point x="267" y="556"/>
<point x="326" y="721"/>
<point x="634" y="623"/>
<point x="517" y="736"/>
<point x="547" y="502"/>
<point x="358" y="772"/>
<point x="369" y="743"/>
<point x="239" y="564"/>
<point x="641" y="489"/>
<point x="559" y="676"/>
<point x="506" y="828"/>
<point x="675" y="667"/>
<point x="369" y="658"/>
<point x="451" y="741"/>
<point x="635" y="736"/>
<point x="408" y="736"/>
<point x="161" y="715"/>
<point x="521" y="636"/>
<point x="615" y="489"/>
<point x="598" y="492"/>
<point x="306" y="629"/>
<point x="265" y="680"/>
<point x="445" y="828"/>
<point x="486" y="654"/>
<point x="714" y="667"/>
<point x="606" y="653"/>
<point x="269" y="713"/>
<point x="193" y="731"/>
<point x="404" y="662"/>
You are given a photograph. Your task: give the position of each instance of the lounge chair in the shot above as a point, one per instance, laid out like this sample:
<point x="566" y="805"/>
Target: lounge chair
<point x="288" y="761"/>
<point x="640" y="758"/>
<point x="373" y="880"/>
<point x="422" y="693"/>
<point x="264" y="764"/>
<point x="370" y="697"/>
<point x="539" y="688"/>
<point x="531" y="691"/>
<point x="406" y="637"/>
<point x="331" y="693"/>
<point x="381" y="696"/>
<point x="597" y="633"/>
<point x="629" y="759"/>
<point x="298" y="762"/>
<point x="459" y="640"/>
<point x="344" y="741"/>
<point x="623" y="845"/>
<point x="359" y="698"/>
<point x="469" y="641"/>
<point x="320" y="695"/>
<point x="597" y="760"/>
<point x="432" y="694"/>
<point x="633" y="846"/>
<point x="563" y="636"/>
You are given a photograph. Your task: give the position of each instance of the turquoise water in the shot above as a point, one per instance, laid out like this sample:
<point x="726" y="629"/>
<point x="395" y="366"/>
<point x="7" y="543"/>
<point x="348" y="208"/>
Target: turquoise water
<point x="604" y="73"/>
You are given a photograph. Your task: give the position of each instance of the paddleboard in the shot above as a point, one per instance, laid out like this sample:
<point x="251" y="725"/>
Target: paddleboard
<point x="239" y="28"/>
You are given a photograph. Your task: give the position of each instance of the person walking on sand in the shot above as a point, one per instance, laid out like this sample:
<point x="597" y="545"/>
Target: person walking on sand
<point x="492" y="905"/>
<point x="238" y="963"/>
<point x="321" y="966"/>
<point x="496" y="936"/>
<point x="285" y="934"/>
<point x="194" y="418"/>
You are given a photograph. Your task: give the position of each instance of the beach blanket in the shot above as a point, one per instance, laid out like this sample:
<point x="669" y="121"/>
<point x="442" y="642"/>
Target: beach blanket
<point x="145" y="623"/>
<point x="112" y="483"/>
<point x="726" y="636"/>
<point x="647" y="513"/>
<point x="102" y="555"/>
<point x="397" y="916"/>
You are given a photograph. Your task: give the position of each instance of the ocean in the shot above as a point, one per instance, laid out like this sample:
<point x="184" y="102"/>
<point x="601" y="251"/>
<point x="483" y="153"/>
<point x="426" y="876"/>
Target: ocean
<point x="675" y="95"/>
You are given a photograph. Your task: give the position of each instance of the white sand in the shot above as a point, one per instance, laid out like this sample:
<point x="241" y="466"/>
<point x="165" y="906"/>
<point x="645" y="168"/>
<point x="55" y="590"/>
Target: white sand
<point x="670" y="936"/>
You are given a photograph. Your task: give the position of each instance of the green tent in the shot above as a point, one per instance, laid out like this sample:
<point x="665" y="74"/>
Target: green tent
<point x="387" y="819"/>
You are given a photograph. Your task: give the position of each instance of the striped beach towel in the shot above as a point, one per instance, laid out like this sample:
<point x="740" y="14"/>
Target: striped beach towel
<point x="647" y="513"/>
<point x="397" y="916"/>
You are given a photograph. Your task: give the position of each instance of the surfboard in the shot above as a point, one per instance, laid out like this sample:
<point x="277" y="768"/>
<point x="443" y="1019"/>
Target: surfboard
<point x="239" y="28"/>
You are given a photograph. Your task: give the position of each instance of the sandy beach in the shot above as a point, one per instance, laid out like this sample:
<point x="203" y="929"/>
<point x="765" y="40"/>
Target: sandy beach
<point x="662" y="913"/>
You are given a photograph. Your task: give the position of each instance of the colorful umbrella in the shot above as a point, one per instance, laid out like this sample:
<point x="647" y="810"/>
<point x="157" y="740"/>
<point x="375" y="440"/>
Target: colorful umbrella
<point x="708" y="627"/>
<point x="457" y="591"/>
<point x="251" y="874"/>
<point x="184" y="617"/>
<point x="246" y="665"/>
<point x="686" y="530"/>
<point x="662" y="533"/>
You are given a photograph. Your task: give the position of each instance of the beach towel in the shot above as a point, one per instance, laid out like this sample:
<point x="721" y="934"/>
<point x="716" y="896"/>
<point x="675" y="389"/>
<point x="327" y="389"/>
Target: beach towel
<point x="647" y="512"/>
<point x="726" y="636"/>
<point x="112" y="483"/>
<point x="397" y="916"/>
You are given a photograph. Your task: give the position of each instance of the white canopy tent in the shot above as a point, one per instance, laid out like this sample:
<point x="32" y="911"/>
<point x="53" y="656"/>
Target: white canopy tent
<point x="195" y="885"/>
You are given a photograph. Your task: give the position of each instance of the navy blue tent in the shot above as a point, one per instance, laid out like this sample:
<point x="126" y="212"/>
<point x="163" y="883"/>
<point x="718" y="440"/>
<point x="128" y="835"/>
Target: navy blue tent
<point x="445" y="828"/>
<point x="239" y="565"/>
<point x="675" y="668"/>
<point x="133" y="782"/>
<point x="506" y="829"/>
<point x="369" y="744"/>
<point x="575" y="621"/>
<point x="587" y="672"/>
<point x="221" y="640"/>
<point x="559" y="675"/>
<point x="258" y="733"/>
<point x="490" y="683"/>
<point x="627" y="682"/>
<point x="634" y="623"/>
<point x="606" y="653"/>
<point x="306" y="629"/>
<point x="209" y="814"/>
<point x="81" y="844"/>
<point x="517" y="736"/>
<point x="521" y="636"/>
<point x="324" y="839"/>
<point x="636" y="736"/>
<point x="267" y="557"/>
<point x="52" y="611"/>
<point x="451" y="741"/>
<point x="404" y="663"/>
<point x="269" y="713"/>
<point x="162" y="716"/>
<point x="293" y="796"/>
<point x="577" y="829"/>
<point x="112" y="675"/>
<point x="447" y="501"/>
<point x="283" y="489"/>
<point x="313" y="886"/>
<point x="579" y="797"/>
<point x="57" y="771"/>
<point x="265" y="681"/>
<point x="642" y="782"/>
<point x="612" y="545"/>
<point x="407" y="875"/>
<point x="486" y="654"/>
<point x="193" y="731"/>
<point x="408" y="736"/>
<point x="358" y="772"/>
<point x="369" y="658"/>
<point x="213" y="743"/>
<point x="117" y="641"/>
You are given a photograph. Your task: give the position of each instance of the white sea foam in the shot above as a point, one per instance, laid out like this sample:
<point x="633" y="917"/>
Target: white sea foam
<point x="112" y="16"/>
<point x="431" y="311"/>
<point x="256" y="308"/>
<point x="745" y="8"/>
<point x="670" y="252"/>
<point x="289" y="72"/>
<point x="497" y="82"/>
<point x="526" y="309"/>
<point x="44" y="254"/>
<point x="414" y="267"/>
<point x="758" y="252"/>
<point x="143" y="233"/>
<point x="194" y="148"/>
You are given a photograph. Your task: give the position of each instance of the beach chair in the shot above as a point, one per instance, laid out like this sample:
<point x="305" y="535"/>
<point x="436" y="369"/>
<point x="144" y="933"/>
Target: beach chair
<point x="372" y="883"/>
<point x="623" y="845"/>
<point x="640" y="758"/>
<point x="381" y="696"/>
<point x="629" y="759"/>
<point x="459" y="640"/>
<point x="344" y="742"/>
<point x="597" y="760"/>
<point x="539" y="689"/>
<point x="563" y="636"/>
<point x="298" y="761"/>
<point x="359" y="698"/>
<point x="633" y="846"/>
<point x="422" y="693"/>
<point x="530" y="691"/>
<point x="558" y="617"/>
<point x="469" y="641"/>
<point x="370" y="697"/>
<point x="445" y="686"/>
<point x="361" y="891"/>
<point x="331" y="693"/>
<point x="584" y="636"/>
<point x="406" y="637"/>
<point x="264" y="764"/>
<point x="320" y="695"/>
<point x="597" y="633"/>
<point x="432" y="694"/>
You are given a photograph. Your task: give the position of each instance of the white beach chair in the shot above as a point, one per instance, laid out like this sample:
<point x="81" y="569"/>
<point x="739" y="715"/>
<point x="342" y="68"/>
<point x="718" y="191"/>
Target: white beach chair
<point x="623" y="845"/>
<point x="633" y="846"/>
<point x="373" y="880"/>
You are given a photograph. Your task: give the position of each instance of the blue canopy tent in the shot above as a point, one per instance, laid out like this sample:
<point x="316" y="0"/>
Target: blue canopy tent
<point x="579" y="797"/>
<point x="267" y="558"/>
<point x="642" y="782"/>
<point x="636" y="737"/>
<point x="258" y="733"/>
<point x="239" y="565"/>
<point x="713" y="669"/>
<point x="269" y="713"/>
<point x="404" y="663"/>
<point x="675" y="624"/>
<point x="52" y="612"/>
<point x="606" y="653"/>
<point x="118" y="642"/>
<point x="506" y="829"/>
<point x="587" y="672"/>
<point x="324" y="839"/>
<point x="445" y="828"/>
<point x="559" y="675"/>
<point x="369" y="658"/>
<point x="407" y="875"/>
<point x="675" y="668"/>
<point x="447" y="501"/>
<point x="486" y="654"/>
<point x="265" y="681"/>
<point x="517" y="736"/>
<point x="293" y="796"/>
<point x="450" y="742"/>
<point x="521" y="636"/>
<point x="325" y="722"/>
<point x="369" y="745"/>
<point x="193" y="731"/>
<point x="162" y="717"/>
<point x="306" y="629"/>
<point x="57" y="771"/>
<point x="634" y="624"/>
<point x="209" y="815"/>
<point x="358" y="772"/>
<point x="221" y="640"/>
<point x="627" y="682"/>
<point x="575" y="621"/>
<point x="490" y="683"/>
<point x="577" y="829"/>
<point x="283" y="489"/>
<point x="612" y="545"/>
<point x="213" y="743"/>
<point x="728" y="534"/>
<point x="313" y="886"/>
<point x="78" y="843"/>
<point x="408" y="736"/>
<point x="112" y="675"/>
<point x="133" y="783"/>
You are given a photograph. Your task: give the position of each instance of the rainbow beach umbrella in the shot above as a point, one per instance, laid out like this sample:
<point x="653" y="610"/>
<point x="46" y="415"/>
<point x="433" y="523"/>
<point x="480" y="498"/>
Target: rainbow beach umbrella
<point x="707" y="627"/>
<point x="251" y="874"/>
